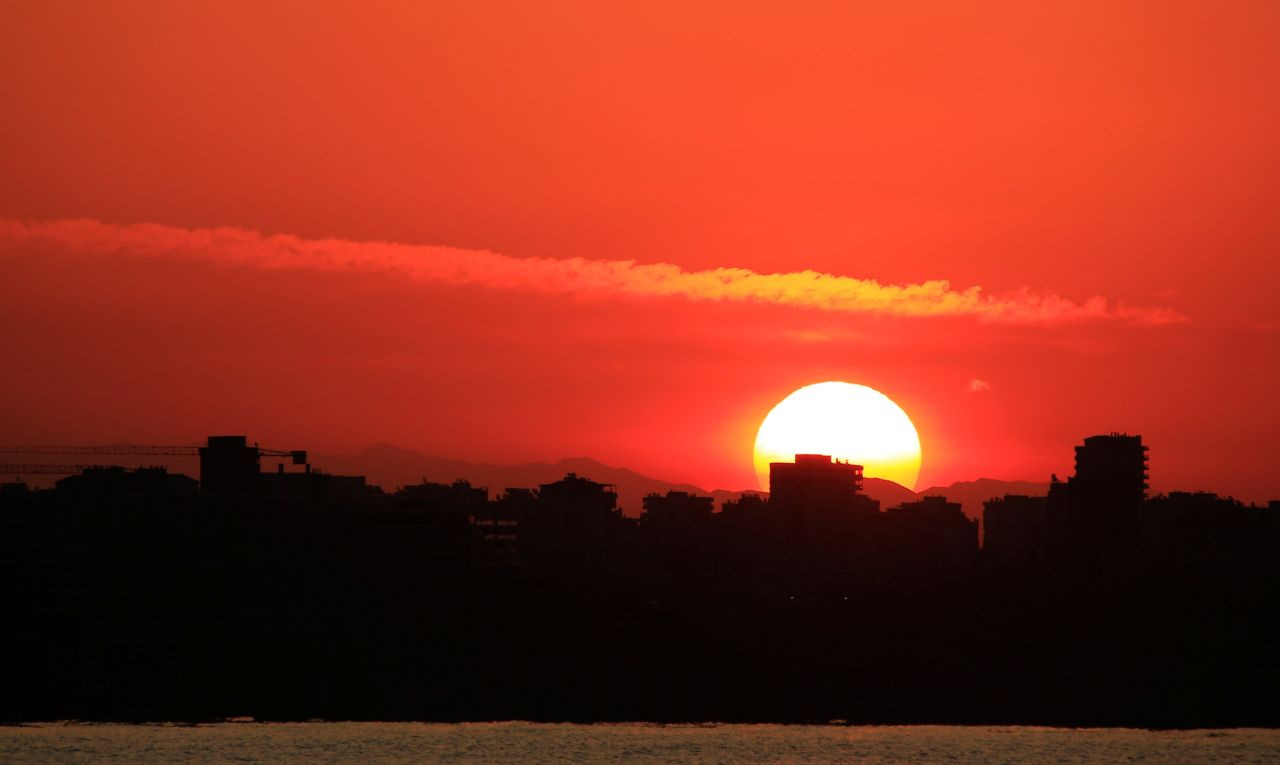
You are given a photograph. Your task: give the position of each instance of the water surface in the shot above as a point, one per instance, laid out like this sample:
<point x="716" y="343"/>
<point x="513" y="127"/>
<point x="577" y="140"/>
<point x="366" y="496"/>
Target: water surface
<point x="633" y="743"/>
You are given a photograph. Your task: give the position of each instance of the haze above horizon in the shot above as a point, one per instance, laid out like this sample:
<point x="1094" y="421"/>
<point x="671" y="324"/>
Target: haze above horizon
<point x="630" y="231"/>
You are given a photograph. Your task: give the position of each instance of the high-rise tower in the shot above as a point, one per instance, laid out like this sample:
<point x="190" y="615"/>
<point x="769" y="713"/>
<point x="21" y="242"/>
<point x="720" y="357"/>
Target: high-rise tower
<point x="1111" y="469"/>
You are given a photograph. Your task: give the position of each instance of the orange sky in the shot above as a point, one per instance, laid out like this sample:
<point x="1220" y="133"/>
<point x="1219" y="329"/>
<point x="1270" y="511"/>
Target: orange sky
<point x="518" y="231"/>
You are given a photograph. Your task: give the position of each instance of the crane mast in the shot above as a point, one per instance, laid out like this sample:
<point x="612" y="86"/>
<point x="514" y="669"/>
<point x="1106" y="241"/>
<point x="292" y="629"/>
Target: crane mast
<point x="213" y="457"/>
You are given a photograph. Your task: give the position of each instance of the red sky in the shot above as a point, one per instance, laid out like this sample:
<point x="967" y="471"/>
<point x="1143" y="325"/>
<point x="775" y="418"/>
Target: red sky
<point x="519" y="231"/>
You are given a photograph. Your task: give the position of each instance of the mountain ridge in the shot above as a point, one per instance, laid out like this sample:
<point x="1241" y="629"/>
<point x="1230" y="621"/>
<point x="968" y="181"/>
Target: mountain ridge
<point x="390" y="466"/>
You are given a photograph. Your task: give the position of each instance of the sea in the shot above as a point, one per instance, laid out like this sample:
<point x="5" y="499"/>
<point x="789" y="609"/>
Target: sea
<point x="518" y="742"/>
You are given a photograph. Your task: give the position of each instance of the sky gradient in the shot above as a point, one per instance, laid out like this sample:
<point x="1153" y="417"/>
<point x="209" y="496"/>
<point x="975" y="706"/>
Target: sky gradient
<point x="522" y="231"/>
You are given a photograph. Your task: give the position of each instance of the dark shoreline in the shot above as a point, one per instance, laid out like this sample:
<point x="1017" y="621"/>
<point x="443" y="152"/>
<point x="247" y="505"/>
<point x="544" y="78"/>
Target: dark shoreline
<point x="129" y="603"/>
<point x="1183" y="654"/>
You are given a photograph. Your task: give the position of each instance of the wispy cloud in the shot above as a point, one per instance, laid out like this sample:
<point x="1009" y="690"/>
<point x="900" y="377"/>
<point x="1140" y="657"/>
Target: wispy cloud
<point x="979" y="386"/>
<point x="569" y="276"/>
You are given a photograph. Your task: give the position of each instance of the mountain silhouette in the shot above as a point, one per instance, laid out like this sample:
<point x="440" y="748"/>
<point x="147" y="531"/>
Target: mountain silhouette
<point x="971" y="494"/>
<point x="389" y="466"/>
<point x="887" y="493"/>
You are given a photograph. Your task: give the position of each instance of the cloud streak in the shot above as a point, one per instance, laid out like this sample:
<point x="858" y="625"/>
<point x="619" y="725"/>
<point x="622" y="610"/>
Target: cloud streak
<point x="570" y="276"/>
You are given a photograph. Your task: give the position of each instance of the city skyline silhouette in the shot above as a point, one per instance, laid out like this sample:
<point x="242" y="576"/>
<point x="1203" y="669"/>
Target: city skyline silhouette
<point x="813" y="367"/>
<point x="343" y="586"/>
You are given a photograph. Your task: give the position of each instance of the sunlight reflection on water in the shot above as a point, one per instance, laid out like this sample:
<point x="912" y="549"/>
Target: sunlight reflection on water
<point x="633" y="743"/>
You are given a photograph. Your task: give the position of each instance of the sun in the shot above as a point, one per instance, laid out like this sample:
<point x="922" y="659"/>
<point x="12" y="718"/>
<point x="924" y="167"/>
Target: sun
<point x="847" y="421"/>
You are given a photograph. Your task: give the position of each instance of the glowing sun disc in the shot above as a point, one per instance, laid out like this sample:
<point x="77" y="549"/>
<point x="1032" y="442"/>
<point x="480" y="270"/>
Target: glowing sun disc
<point x="847" y="421"/>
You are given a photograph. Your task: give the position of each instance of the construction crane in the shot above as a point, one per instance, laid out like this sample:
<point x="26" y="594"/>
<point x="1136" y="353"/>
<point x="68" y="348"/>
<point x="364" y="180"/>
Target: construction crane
<point x="228" y="464"/>
<point x="297" y="456"/>
<point x="47" y="469"/>
<point x="126" y="449"/>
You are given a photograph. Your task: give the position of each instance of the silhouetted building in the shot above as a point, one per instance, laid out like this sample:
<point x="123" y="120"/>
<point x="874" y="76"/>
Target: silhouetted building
<point x="746" y="531"/>
<point x="1200" y="531"/>
<point x="134" y="595"/>
<point x="1016" y="530"/>
<point x="421" y="527"/>
<point x="577" y="532"/>
<point x="1102" y="517"/>
<point x="575" y="504"/>
<point x="14" y="488"/>
<point x="120" y="483"/>
<point x="1110" y="469"/>
<point x="680" y="559"/>
<point x="813" y="481"/>
<point x="310" y="489"/>
<point x="748" y="503"/>
<point x="228" y="466"/>
<point x="829" y="530"/>
<point x="676" y="512"/>
<point x="931" y="536"/>
<point x="498" y="527"/>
